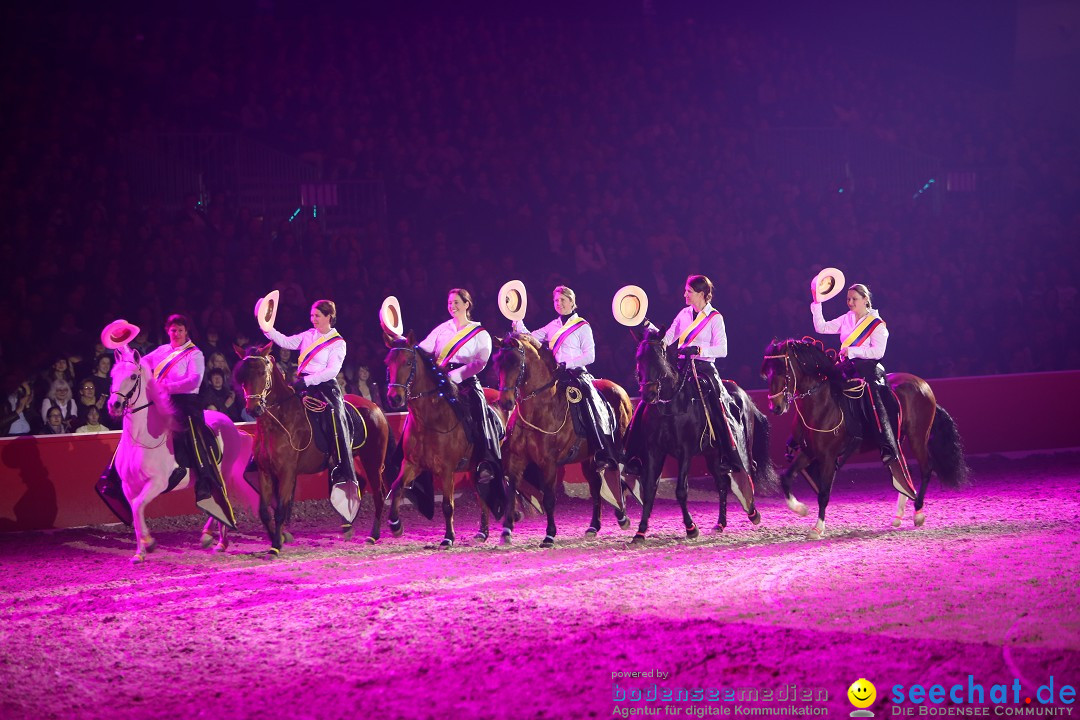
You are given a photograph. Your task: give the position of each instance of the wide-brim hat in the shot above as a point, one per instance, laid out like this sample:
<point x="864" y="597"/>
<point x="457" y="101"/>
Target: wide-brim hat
<point x="390" y="316"/>
<point x="630" y="305"/>
<point x="266" y="310"/>
<point x="828" y="284"/>
<point x="513" y="300"/>
<point x="118" y="334"/>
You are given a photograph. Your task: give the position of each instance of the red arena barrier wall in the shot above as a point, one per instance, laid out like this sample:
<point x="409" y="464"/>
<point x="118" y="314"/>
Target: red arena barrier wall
<point x="48" y="481"/>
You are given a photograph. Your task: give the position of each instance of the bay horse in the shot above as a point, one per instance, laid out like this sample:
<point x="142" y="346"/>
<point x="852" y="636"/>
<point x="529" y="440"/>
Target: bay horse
<point x="802" y="375"/>
<point x="546" y="438"/>
<point x="670" y="420"/>
<point x="146" y="454"/>
<point x="285" y="447"/>
<point x="433" y="438"/>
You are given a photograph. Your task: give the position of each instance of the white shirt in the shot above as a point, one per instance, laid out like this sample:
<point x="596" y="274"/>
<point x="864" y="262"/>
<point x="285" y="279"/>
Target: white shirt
<point x="577" y="350"/>
<point x="711" y="341"/>
<point x="186" y="374"/>
<point x="326" y="362"/>
<point x="20" y="426"/>
<point x="473" y="355"/>
<point x="873" y="348"/>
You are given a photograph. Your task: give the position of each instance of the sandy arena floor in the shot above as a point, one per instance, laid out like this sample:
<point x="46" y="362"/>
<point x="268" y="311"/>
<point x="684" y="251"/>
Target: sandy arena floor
<point x="337" y="629"/>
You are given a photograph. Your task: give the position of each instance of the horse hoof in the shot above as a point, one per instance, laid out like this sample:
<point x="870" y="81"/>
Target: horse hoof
<point x="397" y="529"/>
<point x="221" y="547"/>
<point x="920" y="518"/>
<point x="347" y="532"/>
<point x="446" y="544"/>
<point x="718" y="528"/>
<point x="692" y="532"/>
<point x="624" y="523"/>
<point x="137" y="558"/>
<point x="799" y="508"/>
<point x="272" y="553"/>
<point x="590" y="533"/>
<point x="371" y="540"/>
<point x="480" y="536"/>
<point x="206" y="540"/>
<point x="548" y="542"/>
<point x="151" y="546"/>
<point x="517" y="516"/>
<point x="816" y="534"/>
<point x="755" y="519"/>
<point x="288" y="538"/>
<point x="506" y="537"/>
<point x="639" y="539"/>
<point x="896" y="521"/>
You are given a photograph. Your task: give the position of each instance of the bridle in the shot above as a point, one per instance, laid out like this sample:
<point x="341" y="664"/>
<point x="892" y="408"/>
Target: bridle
<point x="261" y="400"/>
<point x="260" y="396"/>
<point x="520" y="379"/>
<point x="790" y="390"/>
<point x="659" y="385"/>
<point x="406" y="387"/>
<point x="133" y="392"/>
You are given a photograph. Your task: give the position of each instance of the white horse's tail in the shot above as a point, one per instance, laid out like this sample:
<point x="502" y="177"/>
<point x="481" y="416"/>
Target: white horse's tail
<point x="235" y="453"/>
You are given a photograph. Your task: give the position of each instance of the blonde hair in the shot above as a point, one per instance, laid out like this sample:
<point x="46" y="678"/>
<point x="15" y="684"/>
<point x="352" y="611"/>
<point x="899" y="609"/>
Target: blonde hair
<point x="567" y="293"/>
<point x="865" y="292"/>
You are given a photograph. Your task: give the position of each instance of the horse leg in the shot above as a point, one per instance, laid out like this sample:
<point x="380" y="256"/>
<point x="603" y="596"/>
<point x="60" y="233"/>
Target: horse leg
<point x="144" y="542"/>
<point x="448" y="508"/>
<point x="723" y="485"/>
<point x="373" y="476"/>
<point x="743" y="488"/>
<point x="549" y="510"/>
<point x="798" y="465"/>
<point x="408" y="473"/>
<point x="650" y="478"/>
<point x="619" y="506"/>
<point x="922" y="456"/>
<point x="484" y="530"/>
<point x="266" y="498"/>
<point x="682" y="491"/>
<point x="901" y="506"/>
<point x="207" y="539"/>
<point x="824" y="491"/>
<point x="592" y="475"/>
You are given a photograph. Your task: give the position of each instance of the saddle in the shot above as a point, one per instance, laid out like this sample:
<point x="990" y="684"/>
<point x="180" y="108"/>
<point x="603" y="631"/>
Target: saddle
<point x="320" y="427"/>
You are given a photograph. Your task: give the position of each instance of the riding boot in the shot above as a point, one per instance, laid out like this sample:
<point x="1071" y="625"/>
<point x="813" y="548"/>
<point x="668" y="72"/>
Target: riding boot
<point x="487" y="450"/>
<point x="111" y="491"/>
<point x="210" y="493"/>
<point x="344" y="488"/>
<point x="885" y="424"/>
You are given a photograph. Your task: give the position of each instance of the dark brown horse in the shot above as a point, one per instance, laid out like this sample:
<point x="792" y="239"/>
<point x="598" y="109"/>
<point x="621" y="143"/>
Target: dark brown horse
<point x="433" y="439"/>
<point x="540" y="431"/>
<point x="802" y="375"/>
<point x="285" y="447"/>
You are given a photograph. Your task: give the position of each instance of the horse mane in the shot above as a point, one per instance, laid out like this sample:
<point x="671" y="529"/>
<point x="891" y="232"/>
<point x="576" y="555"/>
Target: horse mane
<point x="242" y="371"/>
<point x="442" y="381"/>
<point x="653" y="337"/>
<point x="812" y="357"/>
<point x="542" y="349"/>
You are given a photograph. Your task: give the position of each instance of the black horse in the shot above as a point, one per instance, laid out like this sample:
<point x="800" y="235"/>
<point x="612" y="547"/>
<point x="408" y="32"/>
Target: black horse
<point x="671" y="420"/>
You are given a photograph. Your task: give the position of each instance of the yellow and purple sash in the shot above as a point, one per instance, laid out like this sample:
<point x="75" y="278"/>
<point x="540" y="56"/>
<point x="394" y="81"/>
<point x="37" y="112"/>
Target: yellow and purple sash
<point x="862" y="331"/>
<point x="559" y="337"/>
<point x="691" y="333"/>
<point x="463" y="336"/>
<point x="312" y="350"/>
<point x="172" y="358"/>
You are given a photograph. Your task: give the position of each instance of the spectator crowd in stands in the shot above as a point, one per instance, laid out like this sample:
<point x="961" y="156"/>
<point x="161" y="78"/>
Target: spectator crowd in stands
<point x="556" y="151"/>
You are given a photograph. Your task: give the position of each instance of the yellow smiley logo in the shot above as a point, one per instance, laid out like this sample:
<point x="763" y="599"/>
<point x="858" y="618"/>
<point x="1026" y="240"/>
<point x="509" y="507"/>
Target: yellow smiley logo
<point x="862" y="693"/>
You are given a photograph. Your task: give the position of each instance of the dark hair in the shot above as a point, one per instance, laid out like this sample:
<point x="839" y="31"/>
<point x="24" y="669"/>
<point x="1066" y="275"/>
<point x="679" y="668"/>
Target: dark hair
<point x="217" y="371"/>
<point x="179" y="319"/>
<point x="465" y="298"/>
<point x="328" y="308"/>
<point x="701" y="284"/>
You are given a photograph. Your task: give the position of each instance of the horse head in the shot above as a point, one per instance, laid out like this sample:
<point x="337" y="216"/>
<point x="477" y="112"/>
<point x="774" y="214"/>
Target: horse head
<point x="655" y="372"/>
<point x="509" y="362"/>
<point x="775" y="372"/>
<point x="796" y="368"/>
<point x="401" y="366"/>
<point x="255" y="376"/>
<point x="126" y="380"/>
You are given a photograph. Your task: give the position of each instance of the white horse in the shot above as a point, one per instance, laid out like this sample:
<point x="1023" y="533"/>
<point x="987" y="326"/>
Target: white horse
<point x="146" y="456"/>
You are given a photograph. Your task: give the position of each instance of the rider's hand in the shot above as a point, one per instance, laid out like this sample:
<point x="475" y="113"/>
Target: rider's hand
<point x="689" y="350"/>
<point x="299" y="385"/>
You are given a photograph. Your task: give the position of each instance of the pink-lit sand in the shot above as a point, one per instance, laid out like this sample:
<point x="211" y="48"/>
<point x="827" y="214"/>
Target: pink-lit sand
<point x="339" y="629"/>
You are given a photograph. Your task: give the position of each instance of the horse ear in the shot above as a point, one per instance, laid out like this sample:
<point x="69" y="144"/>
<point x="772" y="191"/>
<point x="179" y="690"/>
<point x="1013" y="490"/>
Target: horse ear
<point x="136" y="356"/>
<point x="117" y="356"/>
<point x="637" y="334"/>
<point x="265" y="349"/>
<point x="410" y="338"/>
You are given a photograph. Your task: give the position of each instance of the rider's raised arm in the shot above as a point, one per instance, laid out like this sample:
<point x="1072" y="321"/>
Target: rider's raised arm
<point x="289" y="342"/>
<point x="820" y="325"/>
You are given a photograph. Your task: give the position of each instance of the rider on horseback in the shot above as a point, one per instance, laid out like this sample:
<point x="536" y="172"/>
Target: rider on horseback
<point x="864" y="339"/>
<point x="571" y="341"/>
<point x="322" y="353"/>
<point x="699" y="334"/>
<point x="178" y="368"/>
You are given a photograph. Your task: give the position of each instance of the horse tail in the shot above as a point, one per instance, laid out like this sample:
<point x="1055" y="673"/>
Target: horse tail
<point x="765" y="478"/>
<point x="947" y="450"/>
<point x="235" y="450"/>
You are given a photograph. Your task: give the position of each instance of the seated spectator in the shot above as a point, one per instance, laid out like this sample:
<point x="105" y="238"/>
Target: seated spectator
<point x="366" y="387"/>
<point x="100" y="375"/>
<point x="88" y="398"/>
<point x="17" y="419"/>
<point x="217" y="394"/>
<point x="54" y="422"/>
<point x="93" y="422"/>
<point x="59" y="399"/>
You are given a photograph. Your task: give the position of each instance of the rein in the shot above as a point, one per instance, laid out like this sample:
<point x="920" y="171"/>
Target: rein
<point x="261" y="399"/>
<point x="517" y="389"/>
<point x="409" y="396"/>
<point x="134" y="393"/>
<point x="793" y="395"/>
<point x="659" y="383"/>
